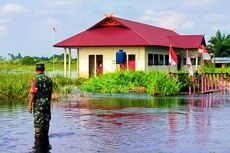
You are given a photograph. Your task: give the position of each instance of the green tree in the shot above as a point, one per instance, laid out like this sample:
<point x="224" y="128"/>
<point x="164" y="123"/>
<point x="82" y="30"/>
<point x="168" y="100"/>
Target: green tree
<point x="27" y="60"/>
<point x="220" y="44"/>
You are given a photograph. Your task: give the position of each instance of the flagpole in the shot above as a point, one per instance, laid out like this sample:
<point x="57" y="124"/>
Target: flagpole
<point x="169" y="69"/>
<point x="169" y="60"/>
<point x="52" y="46"/>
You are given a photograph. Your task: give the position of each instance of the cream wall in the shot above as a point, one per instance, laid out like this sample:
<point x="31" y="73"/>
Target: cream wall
<point x="141" y="55"/>
<point x="165" y="51"/>
<point x="155" y="50"/>
<point x="109" y="58"/>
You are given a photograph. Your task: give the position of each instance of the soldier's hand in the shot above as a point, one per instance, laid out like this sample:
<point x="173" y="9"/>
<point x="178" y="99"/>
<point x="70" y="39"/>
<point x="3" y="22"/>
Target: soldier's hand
<point x="30" y="109"/>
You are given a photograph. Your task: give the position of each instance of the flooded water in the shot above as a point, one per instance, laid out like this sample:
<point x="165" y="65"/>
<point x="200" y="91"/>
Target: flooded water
<point x="132" y="123"/>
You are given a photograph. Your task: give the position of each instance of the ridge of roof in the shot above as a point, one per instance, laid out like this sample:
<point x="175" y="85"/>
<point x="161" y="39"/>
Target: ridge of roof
<point x="135" y="22"/>
<point x="135" y="26"/>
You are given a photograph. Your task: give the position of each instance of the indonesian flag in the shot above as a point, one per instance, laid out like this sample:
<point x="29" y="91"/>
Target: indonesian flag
<point x="202" y="50"/>
<point x="189" y="64"/>
<point x="172" y="57"/>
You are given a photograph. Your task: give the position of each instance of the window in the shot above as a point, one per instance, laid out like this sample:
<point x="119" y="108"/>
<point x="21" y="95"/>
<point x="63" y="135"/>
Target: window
<point x="166" y="59"/>
<point x="161" y="61"/>
<point x="199" y="60"/>
<point x="193" y="60"/>
<point x="184" y="61"/>
<point x="150" y="59"/>
<point x="156" y="61"/>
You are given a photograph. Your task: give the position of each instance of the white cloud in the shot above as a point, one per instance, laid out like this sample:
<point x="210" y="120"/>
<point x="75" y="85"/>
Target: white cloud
<point x="10" y="8"/>
<point x="60" y="2"/>
<point x="199" y="3"/>
<point x="222" y="27"/>
<point x="168" y="19"/>
<point x="215" y="18"/>
<point x="52" y="22"/>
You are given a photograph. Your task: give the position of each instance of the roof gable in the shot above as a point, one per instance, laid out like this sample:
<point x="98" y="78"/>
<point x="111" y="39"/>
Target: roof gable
<point x="106" y="22"/>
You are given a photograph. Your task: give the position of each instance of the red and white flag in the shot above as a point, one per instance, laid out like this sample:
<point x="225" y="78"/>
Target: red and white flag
<point x="189" y="64"/>
<point x="202" y="50"/>
<point x="172" y="57"/>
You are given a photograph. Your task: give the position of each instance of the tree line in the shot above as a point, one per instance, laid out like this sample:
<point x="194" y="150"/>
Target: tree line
<point x="219" y="45"/>
<point x="28" y="60"/>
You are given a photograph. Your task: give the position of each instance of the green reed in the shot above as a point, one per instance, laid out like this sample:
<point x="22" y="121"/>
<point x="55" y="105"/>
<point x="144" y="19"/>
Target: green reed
<point x="17" y="85"/>
<point x="154" y="82"/>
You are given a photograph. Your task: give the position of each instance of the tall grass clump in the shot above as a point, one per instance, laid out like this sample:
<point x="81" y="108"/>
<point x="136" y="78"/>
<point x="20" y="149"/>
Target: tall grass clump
<point x="15" y="85"/>
<point x="62" y="85"/>
<point x="154" y="82"/>
<point x="159" y="83"/>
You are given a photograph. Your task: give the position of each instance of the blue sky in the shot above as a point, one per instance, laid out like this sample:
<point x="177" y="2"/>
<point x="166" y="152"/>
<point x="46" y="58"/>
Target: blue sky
<point x="26" y="25"/>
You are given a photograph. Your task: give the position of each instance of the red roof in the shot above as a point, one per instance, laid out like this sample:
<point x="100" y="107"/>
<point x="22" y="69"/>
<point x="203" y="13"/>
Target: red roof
<point x="114" y="31"/>
<point x="187" y="41"/>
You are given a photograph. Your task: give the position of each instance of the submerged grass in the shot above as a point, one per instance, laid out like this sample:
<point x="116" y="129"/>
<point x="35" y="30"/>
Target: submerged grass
<point x="154" y="82"/>
<point x="17" y="85"/>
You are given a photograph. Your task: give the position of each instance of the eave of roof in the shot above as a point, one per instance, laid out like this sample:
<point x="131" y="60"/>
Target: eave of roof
<point x="187" y="41"/>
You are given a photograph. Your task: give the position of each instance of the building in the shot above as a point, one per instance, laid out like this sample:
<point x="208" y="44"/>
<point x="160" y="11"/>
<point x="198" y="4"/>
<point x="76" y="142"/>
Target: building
<point x="221" y="62"/>
<point x="146" y="47"/>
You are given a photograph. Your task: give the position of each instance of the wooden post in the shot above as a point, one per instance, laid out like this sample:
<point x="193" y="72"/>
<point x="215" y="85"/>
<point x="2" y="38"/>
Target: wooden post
<point x="196" y="67"/>
<point x="215" y="82"/>
<point x="212" y="82"/>
<point x="202" y="83"/>
<point x="208" y="83"/>
<point x="78" y="63"/>
<point x="223" y="86"/>
<point x="69" y="62"/>
<point x="205" y="83"/>
<point x="65" y="54"/>
<point x="169" y="70"/>
<point x="194" y="84"/>
<point x="189" y="91"/>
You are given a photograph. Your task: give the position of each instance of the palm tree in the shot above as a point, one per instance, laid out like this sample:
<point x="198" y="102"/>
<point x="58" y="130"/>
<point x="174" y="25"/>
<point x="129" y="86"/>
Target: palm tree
<point x="220" y="44"/>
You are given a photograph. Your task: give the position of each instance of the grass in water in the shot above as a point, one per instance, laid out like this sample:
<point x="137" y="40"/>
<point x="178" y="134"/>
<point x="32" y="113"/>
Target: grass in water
<point x="154" y="82"/>
<point x="17" y="85"/>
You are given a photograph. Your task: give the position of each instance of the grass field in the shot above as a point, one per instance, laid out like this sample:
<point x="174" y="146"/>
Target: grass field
<point x="20" y="67"/>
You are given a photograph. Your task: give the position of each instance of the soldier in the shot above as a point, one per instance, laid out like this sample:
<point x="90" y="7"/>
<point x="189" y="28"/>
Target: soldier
<point x="40" y="97"/>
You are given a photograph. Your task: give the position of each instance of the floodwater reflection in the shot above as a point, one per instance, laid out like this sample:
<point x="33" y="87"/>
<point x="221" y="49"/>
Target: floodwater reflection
<point x="123" y="123"/>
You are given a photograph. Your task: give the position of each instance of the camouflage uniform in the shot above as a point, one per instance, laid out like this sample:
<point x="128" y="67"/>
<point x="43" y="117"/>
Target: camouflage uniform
<point x="41" y="87"/>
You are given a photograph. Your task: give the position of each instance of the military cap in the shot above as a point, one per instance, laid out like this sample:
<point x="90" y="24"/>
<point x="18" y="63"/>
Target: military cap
<point x="40" y="67"/>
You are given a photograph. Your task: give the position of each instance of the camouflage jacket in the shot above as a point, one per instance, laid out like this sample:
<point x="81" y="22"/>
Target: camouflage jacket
<point x="41" y="87"/>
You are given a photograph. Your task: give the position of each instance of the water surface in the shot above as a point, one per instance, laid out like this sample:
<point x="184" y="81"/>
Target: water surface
<point x="130" y="123"/>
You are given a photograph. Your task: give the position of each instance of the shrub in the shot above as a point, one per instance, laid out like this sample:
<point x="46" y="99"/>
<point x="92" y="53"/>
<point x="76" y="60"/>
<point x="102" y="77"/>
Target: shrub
<point x="156" y="83"/>
<point x="27" y="60"/>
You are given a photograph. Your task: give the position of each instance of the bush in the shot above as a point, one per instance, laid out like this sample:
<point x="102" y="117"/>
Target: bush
<point x="156" y="83"/>
<point x="27" y="60"/>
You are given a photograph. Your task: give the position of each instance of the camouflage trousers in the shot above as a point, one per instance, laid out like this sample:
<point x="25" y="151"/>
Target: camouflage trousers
<point x="41" y="123"/>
